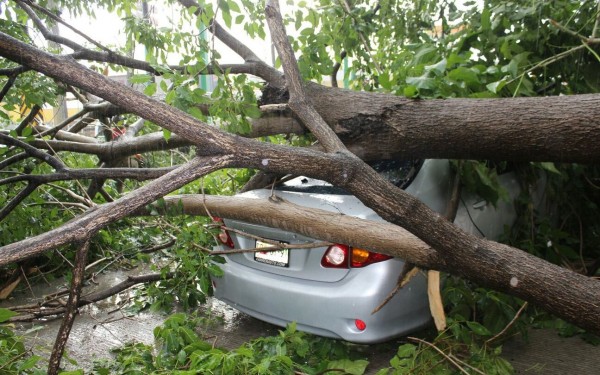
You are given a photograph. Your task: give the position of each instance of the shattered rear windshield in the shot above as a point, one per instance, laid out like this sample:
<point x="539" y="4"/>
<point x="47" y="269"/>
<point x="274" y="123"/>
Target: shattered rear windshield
<point x="399" y="172"/>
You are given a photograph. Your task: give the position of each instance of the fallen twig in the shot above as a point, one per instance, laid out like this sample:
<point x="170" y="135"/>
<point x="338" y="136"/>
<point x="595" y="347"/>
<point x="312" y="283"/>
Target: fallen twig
<point x="41" y="311"/>
<point x="446" y="356"/>
<point x="514" y="319"/>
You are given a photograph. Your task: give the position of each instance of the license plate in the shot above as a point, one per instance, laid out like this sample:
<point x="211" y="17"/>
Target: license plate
<point x="279" y="258"/>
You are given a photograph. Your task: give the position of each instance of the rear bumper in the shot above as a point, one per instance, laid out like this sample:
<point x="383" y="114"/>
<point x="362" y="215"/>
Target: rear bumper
<point x="329" y="308"/>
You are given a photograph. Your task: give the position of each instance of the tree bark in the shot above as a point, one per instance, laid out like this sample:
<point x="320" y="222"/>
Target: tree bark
<point x="554" y="128"/>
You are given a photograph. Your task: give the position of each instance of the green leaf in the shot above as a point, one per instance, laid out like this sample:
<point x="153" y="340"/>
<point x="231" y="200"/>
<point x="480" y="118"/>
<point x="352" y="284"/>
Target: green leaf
<point x="385" y="81"/>
<point x="423" y="54"/>
<point x="6" y="314"/>
<point x="196" y="112"/>
<point x="505" y="49"/>
<point x="486" y="23"/>
<point x="469" y="76"/>
<point x="140" y="78"/>
<point x="422" y="82"/>
<point x="406" y="350"/>
<point x="215" y="270"/>
<point x="166" y="134"/>
<point x="181" y="356"/>
<point x="478" y="329"/>
<point x="495" y="87"/>
<point x="252" y="111"/>
<point x="411" y="91"/>
<point x="233" y="6"/>
<point x="438" y="68"/>
<point x="357" y="367"/>
<point x="29" y="363"/>
<point x="227" y="18"/>
<point x="150" y="89"/>
<point x="550" y="167"/>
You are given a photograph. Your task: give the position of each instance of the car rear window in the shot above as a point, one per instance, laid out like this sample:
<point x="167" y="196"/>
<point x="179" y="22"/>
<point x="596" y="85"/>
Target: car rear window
<point x="399" y="172"/>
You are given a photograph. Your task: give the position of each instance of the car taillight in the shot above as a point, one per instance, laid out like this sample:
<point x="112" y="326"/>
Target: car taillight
<point x="362" y="257"/>
<point x="336" y="256"/>
<point x="223" y="235"/>
<point x="344" y="256"/>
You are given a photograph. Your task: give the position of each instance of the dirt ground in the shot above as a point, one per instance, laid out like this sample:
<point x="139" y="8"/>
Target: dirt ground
<point x="101" y="327"/>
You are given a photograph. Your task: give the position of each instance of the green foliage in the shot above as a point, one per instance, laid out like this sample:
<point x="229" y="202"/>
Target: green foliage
<point x="41" y="210"/>
<point x="14" y="357"/>
<point x="482" y="178"/>
<point x="180" y="349"/>
<point x="565" y="230"/>
<point x="191" y="265"/>
<point x="436" y="49"/>
<point x="475" y="306"/>
<point x="447" y="355"/>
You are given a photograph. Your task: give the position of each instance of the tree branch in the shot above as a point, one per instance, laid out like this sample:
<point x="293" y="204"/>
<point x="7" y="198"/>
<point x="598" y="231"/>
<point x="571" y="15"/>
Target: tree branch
<point x="505" y="268"/>
<point x="45" y="32"/>
<point x="7" y="86"/>
<point x="336" y="68"/>
<point x="35" y="110"/>
<point x="13" y="159"/>
<point x="53" y="37"/>
<point x="89" y="223"/>
<point x="259" y="68"/>
<point x="298" y="101"/>
<point x="32" y="151"/>
<point x="52" y="131"/>
<point x="71" y="309"/>
<point x="138" y="174"/>
<point x="377" y="236"/>
<point x="14" y="202"/>
<point x="52" y="310"/>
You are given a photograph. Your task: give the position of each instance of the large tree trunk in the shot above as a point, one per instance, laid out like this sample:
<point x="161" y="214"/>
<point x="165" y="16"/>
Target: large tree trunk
<point x="379" y="126"/>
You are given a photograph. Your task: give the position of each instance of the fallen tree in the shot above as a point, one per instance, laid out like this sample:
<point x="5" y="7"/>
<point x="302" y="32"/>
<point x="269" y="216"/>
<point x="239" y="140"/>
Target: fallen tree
<point x="349" y="126"/>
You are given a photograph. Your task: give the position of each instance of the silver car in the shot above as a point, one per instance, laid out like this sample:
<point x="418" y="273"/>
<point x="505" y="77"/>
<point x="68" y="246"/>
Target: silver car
<point x="331" y="291"/>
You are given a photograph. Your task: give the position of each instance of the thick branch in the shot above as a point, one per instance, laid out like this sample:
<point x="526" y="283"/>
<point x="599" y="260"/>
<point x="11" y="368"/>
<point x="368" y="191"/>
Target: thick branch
<point x="90" y="222"/>
<point x="116" y="149"/>
<point x="315" y="223"/>
<point x="569" y="295"/>
<point x="74" y="294"/>
<point x="298" y="101"/>
<point x="517" y="129"/>
<point x="66" y="136"/>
